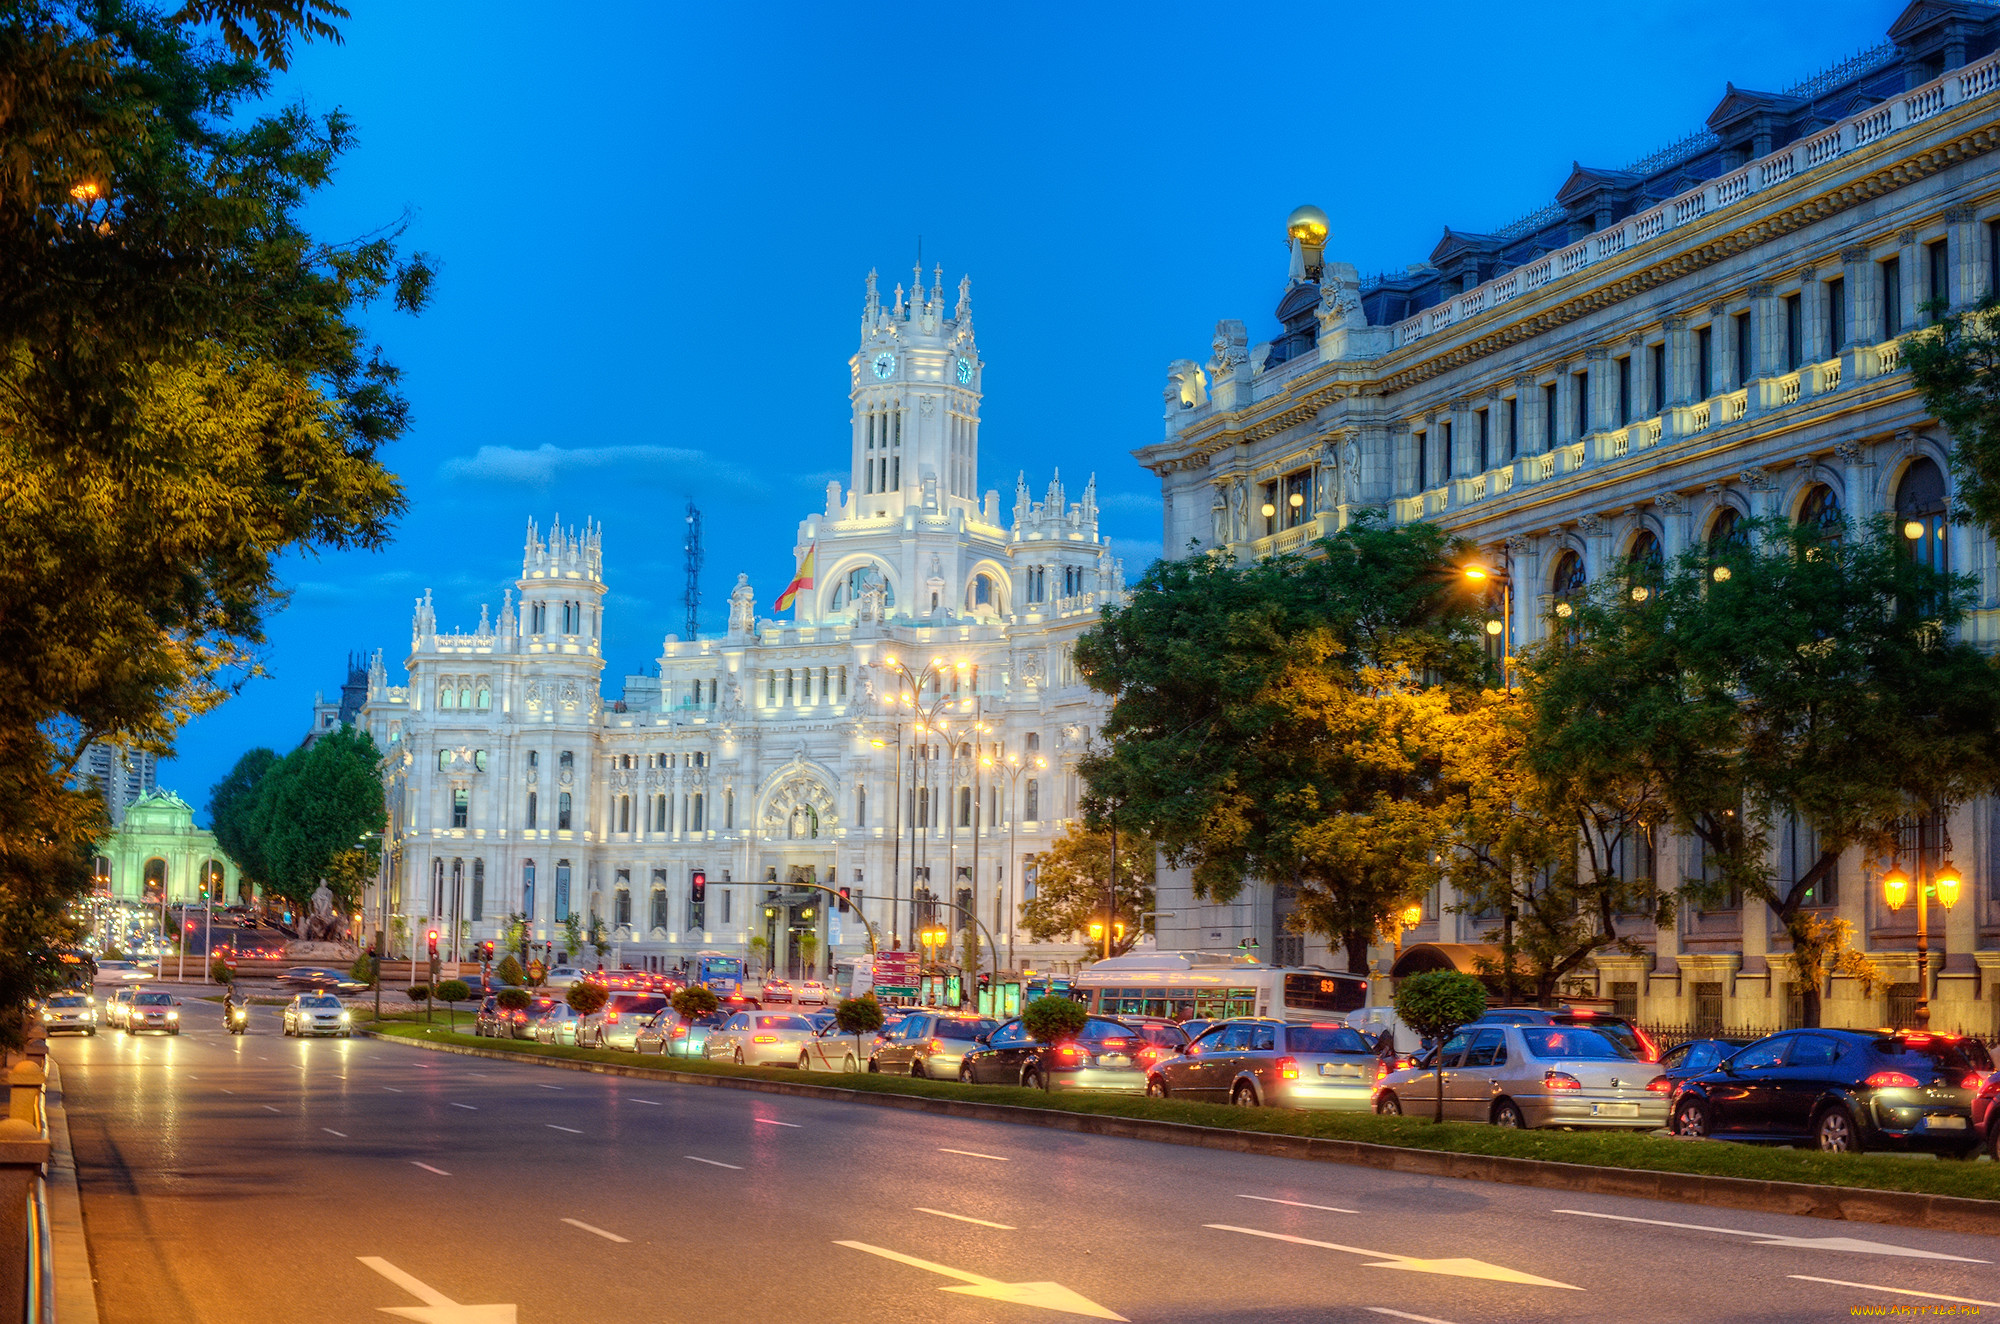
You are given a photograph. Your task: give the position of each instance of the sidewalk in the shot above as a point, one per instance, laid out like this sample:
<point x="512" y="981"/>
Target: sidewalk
<point x="76" y="1286"/>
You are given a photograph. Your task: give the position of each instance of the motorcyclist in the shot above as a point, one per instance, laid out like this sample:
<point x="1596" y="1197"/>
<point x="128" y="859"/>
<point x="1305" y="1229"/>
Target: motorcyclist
<point x="228" y="1006"/>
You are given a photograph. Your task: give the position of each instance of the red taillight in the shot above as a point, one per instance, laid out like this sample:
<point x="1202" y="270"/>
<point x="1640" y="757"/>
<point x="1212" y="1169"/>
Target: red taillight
<point x="680" y="1031"/>
<point x="1150" y="1056"/>
<point x="1973" y="1080"/>
<point x="763" y="1038"/>
<point x="1660" y="1085"/>
<point x="1916" y="1037"/>
<point x="1561" y="1080"/>
<point x="1648" y="1050"/>
<point x="611" y="1018"/>
<point x="937" y="1045"/>
<point x="1891" y="1080"/>
<point x="1069" y="1052"/>
<point x="1288" y="1068"/>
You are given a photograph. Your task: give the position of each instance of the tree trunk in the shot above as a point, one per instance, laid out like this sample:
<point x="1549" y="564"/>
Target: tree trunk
<point x="1356" y="942"/>
<point x="1509" y="992"/>
<point x="1437" y="1074"/>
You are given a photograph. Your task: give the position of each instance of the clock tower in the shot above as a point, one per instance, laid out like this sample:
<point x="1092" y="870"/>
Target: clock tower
<point x="915" y="392"/>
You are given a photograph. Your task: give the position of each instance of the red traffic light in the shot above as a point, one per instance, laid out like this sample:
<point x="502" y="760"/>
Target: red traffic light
<point x="845" y="901"/>
<point x="698" y="887"/>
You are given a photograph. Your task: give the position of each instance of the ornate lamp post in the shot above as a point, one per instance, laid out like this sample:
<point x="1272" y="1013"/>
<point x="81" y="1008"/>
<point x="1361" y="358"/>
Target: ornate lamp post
<point x="910" y="695"/>
<point x="1896" y="889"/>
<point x="1014" y="767"/>
<point x="1500" y="629"/>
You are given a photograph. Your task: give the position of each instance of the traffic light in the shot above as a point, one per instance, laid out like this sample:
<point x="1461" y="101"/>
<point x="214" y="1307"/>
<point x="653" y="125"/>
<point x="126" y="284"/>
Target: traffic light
<point x="698" y="887"/>
<point x="845" y="901"/>
<point x="486" y="951"/>
<point x="434" y="944"/>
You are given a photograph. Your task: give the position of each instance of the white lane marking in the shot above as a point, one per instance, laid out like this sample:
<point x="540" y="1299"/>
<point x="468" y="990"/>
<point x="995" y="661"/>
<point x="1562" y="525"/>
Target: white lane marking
<point x="468" y="1107"/>
<point x="231" y="1092"/>
<point x="553" y="1127"/>
<point x="267" y="1108"/>
<point x="437" y="1308"/>
<point x="608" y="1236"/>
<point x="772" y="1121"/>
<point x="1899" y="1291"/>
<point x="549" y="1087"/>
<point x="330" y="1131"/>
<point x="1004" y="1227"/>
<point x="428" y="1168"/>
<point x="1048" y="1296"/>
<point x="973" y="1153"/>
<point x="392" y="1089"/>
<point x="711" y="1162"/>
<point x="1799" y="1243"/>
<point x="1301" y="1204"/>
<point x="1453" y="1268"/>
<point x="650" y="1103"/>
<point x="1420" y="1319"/>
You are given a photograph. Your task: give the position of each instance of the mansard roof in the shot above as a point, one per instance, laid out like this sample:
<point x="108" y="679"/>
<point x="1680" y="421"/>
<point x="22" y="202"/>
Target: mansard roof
<point x="1454" y="243"/>
<point x="1935" y="19"/>
<point x="1588" y="181"/>
<point x="1740" y="103"/>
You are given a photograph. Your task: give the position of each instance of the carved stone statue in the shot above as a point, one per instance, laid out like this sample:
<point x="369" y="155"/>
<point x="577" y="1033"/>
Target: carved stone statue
<point x="1219" y="512"/>
<point x="742" y="607"/>
<point x="323" y="925"/>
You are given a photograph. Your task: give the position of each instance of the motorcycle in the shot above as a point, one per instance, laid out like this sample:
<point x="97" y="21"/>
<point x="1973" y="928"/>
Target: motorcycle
<point x="239" y="1020"/>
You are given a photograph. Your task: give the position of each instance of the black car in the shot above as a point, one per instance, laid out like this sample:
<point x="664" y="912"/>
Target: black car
<point x="1699" y="1055"/>
<point x="1104" y="1057"/>
<point x="1838" y="1090"/>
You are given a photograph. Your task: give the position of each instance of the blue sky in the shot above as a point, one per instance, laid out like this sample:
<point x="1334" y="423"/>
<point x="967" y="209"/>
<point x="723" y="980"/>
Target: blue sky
<point x="653" y="228"/>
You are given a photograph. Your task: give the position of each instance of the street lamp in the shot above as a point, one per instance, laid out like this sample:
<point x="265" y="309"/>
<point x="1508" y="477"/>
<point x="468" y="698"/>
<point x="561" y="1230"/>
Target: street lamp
<point x="1014" y="767"/>
<point x="911" y="695"/>
<point x="1896" y="889"/>
<point x="1500" y="629"/>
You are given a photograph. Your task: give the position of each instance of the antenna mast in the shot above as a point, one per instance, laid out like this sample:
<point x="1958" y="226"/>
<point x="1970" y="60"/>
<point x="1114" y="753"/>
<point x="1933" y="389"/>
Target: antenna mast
<point x="691" y="553"/>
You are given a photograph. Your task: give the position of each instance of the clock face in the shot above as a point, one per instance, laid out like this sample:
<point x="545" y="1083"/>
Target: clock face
<point x="965" y="372"/>
<point x="885" y="363"/>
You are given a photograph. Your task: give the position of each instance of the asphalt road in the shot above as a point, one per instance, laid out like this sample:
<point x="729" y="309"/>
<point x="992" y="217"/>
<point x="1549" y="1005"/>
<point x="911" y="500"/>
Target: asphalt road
<point x="269" y="1179"/>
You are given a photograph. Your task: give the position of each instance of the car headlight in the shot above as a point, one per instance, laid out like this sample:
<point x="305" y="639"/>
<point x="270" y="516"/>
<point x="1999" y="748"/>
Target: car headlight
<point x="173" y="1015"/>
<point x="345" y="1017"/>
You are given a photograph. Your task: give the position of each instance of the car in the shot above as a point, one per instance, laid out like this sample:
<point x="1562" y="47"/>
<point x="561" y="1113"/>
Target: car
<point x="1405" y="1045"/>
<point x="812" y="992"/>
<point x="761" y="1039"/>
<point x="668" y="1034"/>
<point x="833" y="1049"/>
<point x="777" y="990"/>
<point x="74" y="1012"/>
<point x="124" y="969"/>
<point x="563" y="976"/>
<point x="153" y="1011"/>
<point x="1104" y="1058"/>
<point x="1163" y="1037"/>
<point x="557" y="1025"/>
<point x="119" y="1004"/>
<point x="1615" y="1027"/>
<point x="521" y="1024"/>
<point x="1840" y="1091"/>
<point x="1698" y="1055"/>
<point x="929" y="1045"/>
<point x="1532" y="1075"/>
<point x="492" y="1021"/>
<point x="316" y="1014"/>
<point x="616" y="1023"/>
<point x="1261" y="1062"/>
<point x="321" y="976"/>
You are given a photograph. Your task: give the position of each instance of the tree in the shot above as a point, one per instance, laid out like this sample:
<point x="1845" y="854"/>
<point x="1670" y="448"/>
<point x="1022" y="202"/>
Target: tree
<point x="510" y="971"/>
<point x="364" y="970"/>
<point x="221" y="971"/>
<point x="319" y="814"/>
<point x="1435" y="1004"/>
<point x="598" y="938"/>
<point x="513" y="998"/>
<point x="572" y="934"/>
<point x="1809" y="674"/>
<point x="421" y="993"/>
<point x="1053" y="1021"/>
<point x="1956" y="364"/>
<point x="186" y="398"/>
<point x="585" y="997"/>
<point x="808" y="944"/>
<point x="696" y="1001"/>
<point x="760" y="950"/>
<point x="230" y="802"/>
<point x="450" y="991"/>
<point x="1263" y="717"/>
<point x="1070" y="886"/>
<point x="858" y="1016"/>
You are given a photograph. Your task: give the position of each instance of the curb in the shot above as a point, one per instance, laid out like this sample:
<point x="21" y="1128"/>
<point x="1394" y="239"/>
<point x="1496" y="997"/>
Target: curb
<point x="1943" y="1213"/>
<point x="76" y="1286"/>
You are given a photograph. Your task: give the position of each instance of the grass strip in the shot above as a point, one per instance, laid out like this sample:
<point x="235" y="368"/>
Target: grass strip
<point x="1645" y="1153"/>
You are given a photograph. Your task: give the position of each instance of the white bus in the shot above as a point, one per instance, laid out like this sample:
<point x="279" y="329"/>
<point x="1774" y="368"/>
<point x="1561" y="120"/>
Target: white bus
<point x="1209" y="986"/>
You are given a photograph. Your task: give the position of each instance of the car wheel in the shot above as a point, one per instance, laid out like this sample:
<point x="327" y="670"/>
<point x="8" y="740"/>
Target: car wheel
<point x="848" y="1063"/>
<point x="1157" y="1087"/>
<point x="805" y="1062"/>
<point x="1388" y="1105"/>
<point x="1691" y="1119"/>
<point x="1992" y="1145"/>
<point x="1032" y="1079"/>
<point x="917" y="1069"/>
<point x="965" y="1073"/>
<point x="1836" y="1132"/>
<point x="1508" y="1114"/>
<point x="739" y="1057"/>
<point x="1243" y="1096"/>
<point x="873" y="1068"/>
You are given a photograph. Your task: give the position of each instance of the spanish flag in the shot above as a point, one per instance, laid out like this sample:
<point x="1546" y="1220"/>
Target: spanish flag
<point x="804" y="579"/>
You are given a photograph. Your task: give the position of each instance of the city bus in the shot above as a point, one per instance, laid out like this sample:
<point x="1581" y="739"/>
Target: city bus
<point x="722" y="974"/>
<point x="1208" y="986"/>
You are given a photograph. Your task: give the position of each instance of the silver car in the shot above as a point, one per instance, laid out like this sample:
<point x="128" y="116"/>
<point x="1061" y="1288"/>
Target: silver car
<point x="1271" y="1063"/>
<point x="616" y="1024"/>
<point x="557" y="1025"/>
<point x="70" y="1011"/>
<point x="318" y="1013"/>
<point x="761" y="1039"/>
<point x="1534" y="1076"/>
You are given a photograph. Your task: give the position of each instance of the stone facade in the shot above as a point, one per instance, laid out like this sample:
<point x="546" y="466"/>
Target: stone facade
<point x="157" y="849"/>
<point x="1709" y="334"/>
<point x="773" y="754"/>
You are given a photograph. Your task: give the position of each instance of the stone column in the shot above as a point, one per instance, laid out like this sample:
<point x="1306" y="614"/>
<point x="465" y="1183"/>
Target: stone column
<point x="1910" y="277"/>
<point x="1464" y="439"/>
<point x="1521" y="574"/>
<point x="1534" y="430"/>
<point x="1767" y="347"/>
<point x="1673" y="509"/>
<point x="1565" y="405"/>
<point x="1596" y="533"/>
<point x="1968" y="257"/>
<point x="1860" y="498"/>
<point x="1402" y="460"/>
<point x="1864" y="313"/>
<point x="1812" y="318"/>
<point x="1682" y="378"/>
<point x="1603" y="387"/>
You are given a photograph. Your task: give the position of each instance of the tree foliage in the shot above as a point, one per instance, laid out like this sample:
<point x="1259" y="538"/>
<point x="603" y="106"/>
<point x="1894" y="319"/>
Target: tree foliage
<point x="450" y="992"/>
<point x="230" y="802"/>
<point x="510" y="971"/>
<point x="317" y="813"/>
<point x="695" y="1001"/>
<point x="1269" y="719"/>
<point x="585" y="997"/>
<point x="1054" y="1020"/>
<point x="858" y="1016"/>
<point x="1071" y="891"/>
<point x="513" y="998"/>
<point x="1436" y="1004"/>
<point x="1956" y="364"/>
<point x="186" y="397"/>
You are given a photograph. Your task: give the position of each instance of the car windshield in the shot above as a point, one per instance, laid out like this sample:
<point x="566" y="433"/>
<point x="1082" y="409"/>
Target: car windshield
<point x="1164" y="1036"/>
<point x="321" y="1003"/>
<point x="1573" y="1041"/>
<point x="1618" y="1032"/>
<point x="949" y="1029"/>
<point x="782" y="1023"/>
<point x="1937" y="1056"/>
<point x="75" y="1000"/>
<point x="1324" y="1039"/>
<point x="713" y="1019"/>
<point x="154" y="1000"/>
<point x="637" y="1002"/>
<point x="1097" y="1030"/>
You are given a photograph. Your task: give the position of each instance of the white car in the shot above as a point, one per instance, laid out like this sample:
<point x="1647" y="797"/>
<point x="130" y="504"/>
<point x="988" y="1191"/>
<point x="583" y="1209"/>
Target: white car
<point x="762" y="1038"/>
<point x="318" y="1013"/>
<point x="70" y="1011"/>
<point x="813" y="992"/>
<point x="115" y="1008"/>
<point x="563" y="976"/>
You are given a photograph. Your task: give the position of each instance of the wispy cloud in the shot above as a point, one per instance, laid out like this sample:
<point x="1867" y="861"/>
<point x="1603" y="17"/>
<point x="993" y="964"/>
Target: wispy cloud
<point x="1130" y="503"/>
<point x="356" y="588"/>
<point x="649" y="466"/>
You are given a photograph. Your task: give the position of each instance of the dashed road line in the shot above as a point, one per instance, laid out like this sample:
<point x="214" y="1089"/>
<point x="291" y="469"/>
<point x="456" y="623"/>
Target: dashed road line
<point x="468" y="1107"/>
<point x="1300" y="1204"/>
<point x="711" y="1162"/>
<point x="548" y="1087"/>
<point x="1399" y="1314"/>
<point x="772" y="1121"/>
<point x="973" y="1153"/>
<point x="650" y="1103"/>
<point x="1899" y="1291"/>
<point x="392" y="1089"/>
<point x="553" y="1127"/>
<point x="1004" y="1227"/>
<point x="330" y="1131"/>
<point x="428" y="1168"/>
<point x="608" y="1236"/>
<point x="267" y="1108"/>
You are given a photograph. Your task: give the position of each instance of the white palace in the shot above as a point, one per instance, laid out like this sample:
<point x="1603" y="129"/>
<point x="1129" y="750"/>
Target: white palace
<point x="776" y="754"/>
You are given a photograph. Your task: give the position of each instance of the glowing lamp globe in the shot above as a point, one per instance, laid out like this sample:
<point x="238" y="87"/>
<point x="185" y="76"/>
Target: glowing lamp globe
<point x="1948" y="883"/>
<point x="1913" y="530"/>
<point x="1896" y="888"/>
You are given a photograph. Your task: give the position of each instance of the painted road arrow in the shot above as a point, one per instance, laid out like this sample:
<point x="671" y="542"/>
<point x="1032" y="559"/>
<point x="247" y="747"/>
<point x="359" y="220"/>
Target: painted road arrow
<point x="1458" y="1268"/>
<point x="437" y="1308"/>
<point x="1046" y="1296"/>
<point x="1853" y="1244"/>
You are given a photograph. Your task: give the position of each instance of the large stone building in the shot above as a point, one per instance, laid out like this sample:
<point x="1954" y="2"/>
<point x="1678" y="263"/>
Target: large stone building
<point x="778" y="752"/>
<point x="1707" y="335"/>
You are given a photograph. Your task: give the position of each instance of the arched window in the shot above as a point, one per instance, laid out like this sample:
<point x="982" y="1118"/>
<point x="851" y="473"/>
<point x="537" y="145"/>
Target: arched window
<point x="1726" y="532"/>
<point x="1034" y="742"/>
<point x="562" y="812"/>
<point x="1921" y="514"/>
<point x="479" y="759"/>
<point x="478" y="890"/>
<point x="567" y="760"/>
<point x="465" y="696"/>
<point x="1820" y="513"/>
<point x="965" y="806"/>
<point x="485" y="698"/>
<point x="659" y="907"/>
<point x="446" y="696"/>
<point x="1645" y="565"/>
<point x="531" y="810"/>
<point x="1033" y="809"/>
<point x="621" y="908"/>
<point x="980" y="592"/>
<point x="444" y="759"/>
<point x="562" y="891"/>
<point x="1567" y="584"/>
<point x="534" y="758"/>
<point x="155" y="875"/>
